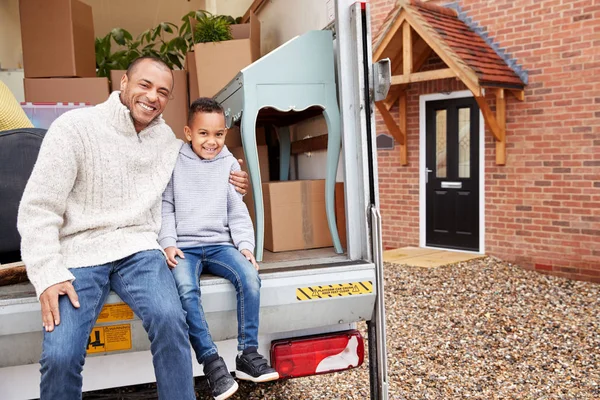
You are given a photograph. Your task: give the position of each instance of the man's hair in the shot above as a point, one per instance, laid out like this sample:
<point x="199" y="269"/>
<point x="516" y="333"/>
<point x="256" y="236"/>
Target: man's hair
<point x="204" y="105"/>
<point x="134" y="64"/>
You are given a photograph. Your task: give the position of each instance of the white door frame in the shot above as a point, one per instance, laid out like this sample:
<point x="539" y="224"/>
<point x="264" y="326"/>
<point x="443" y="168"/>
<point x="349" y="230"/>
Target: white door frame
<point x="422" y="154"/>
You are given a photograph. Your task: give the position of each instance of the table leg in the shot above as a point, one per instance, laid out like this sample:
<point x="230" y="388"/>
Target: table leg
<point x="334" y="142"/>
<point x="285" y="150"/>
<point x="248" y="132"/>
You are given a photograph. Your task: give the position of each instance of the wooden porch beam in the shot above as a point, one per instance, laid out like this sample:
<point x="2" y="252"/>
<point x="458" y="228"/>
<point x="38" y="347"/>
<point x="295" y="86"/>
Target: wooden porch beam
<point x="447" y="55"/>
<point x="489" y="118"/>
<point x="519" y="94"/>
<point x="392" y="97"/>
<point x="423" y="76"/>
<point x="501" y="119"/>
<point x="380" y="50"/>
<point x="403" y="109"/>
<point x="393" y="128"/>
<point x="407" y="49"/>
<point x="423" y="55"/>
<point x="496" y="125"/>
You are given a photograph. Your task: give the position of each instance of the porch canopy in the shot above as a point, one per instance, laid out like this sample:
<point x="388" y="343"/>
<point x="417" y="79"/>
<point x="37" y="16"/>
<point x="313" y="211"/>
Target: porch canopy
<point x="414" y="30"/>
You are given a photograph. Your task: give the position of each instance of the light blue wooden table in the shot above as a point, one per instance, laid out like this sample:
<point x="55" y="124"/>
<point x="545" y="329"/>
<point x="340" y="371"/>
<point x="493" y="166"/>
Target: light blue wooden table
<point x="294" y="77"/>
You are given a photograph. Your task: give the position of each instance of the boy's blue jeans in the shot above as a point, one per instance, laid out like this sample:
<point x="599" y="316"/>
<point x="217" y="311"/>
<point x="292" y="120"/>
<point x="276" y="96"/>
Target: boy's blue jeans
<point x="228" y="262"/>
<point x="144" y="282"/>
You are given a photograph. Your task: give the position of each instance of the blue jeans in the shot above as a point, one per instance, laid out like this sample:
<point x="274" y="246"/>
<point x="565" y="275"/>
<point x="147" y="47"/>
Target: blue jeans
<point x="143" y="281"/>
<point x="228" y="262"/>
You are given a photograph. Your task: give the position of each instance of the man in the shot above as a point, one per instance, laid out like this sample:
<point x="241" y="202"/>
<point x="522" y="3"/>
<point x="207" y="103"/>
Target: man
<point x="89" y="220"/>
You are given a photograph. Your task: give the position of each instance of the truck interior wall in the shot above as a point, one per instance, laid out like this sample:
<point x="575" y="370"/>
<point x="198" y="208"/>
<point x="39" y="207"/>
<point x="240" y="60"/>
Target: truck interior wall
<point x="281" y="20"/>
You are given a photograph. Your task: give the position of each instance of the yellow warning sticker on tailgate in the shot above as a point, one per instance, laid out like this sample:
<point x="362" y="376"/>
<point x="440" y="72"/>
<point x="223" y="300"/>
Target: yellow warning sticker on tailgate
<point x="115" y="312"/>
<point x="109" y="338"/>
<point x="335" y="290"/>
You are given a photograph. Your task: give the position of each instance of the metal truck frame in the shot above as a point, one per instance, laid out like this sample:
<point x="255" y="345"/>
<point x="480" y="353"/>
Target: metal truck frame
<point x="282" y="315"/>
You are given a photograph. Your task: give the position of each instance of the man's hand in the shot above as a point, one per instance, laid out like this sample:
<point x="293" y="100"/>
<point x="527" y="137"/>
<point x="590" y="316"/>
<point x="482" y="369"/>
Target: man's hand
<point x="49" y="303"/>
<point x="239" y="179"/>
<point x="171" y="252"/>
<point x="250" y="257"/>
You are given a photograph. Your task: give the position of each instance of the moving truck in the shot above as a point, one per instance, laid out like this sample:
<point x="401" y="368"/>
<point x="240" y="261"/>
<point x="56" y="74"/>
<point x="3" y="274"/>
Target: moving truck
<point x="311" y="300"/>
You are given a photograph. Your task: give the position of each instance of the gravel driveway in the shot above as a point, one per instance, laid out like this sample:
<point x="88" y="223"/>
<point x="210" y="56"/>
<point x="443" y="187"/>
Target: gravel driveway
<point x="478" y="330"/>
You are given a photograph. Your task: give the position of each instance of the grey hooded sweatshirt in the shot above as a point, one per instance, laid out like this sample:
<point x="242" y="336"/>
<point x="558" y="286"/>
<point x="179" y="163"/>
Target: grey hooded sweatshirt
<point x="200" y="207"/>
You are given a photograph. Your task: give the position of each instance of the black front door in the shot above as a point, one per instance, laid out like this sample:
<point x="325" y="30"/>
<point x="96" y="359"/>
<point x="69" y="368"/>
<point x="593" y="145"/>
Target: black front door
<point x="452" y="175"/>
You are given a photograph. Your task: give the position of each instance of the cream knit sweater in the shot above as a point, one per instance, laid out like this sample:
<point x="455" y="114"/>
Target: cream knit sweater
<point x="94" y="195"/>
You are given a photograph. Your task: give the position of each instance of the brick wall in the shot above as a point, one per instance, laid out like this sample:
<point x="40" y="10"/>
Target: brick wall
<point x="543" y="207"/>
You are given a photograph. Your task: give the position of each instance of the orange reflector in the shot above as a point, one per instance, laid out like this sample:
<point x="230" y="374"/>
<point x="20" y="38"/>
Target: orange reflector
<point x="319" y="354"/>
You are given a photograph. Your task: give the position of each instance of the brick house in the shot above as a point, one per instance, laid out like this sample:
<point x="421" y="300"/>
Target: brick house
<point x="536" y="201"/>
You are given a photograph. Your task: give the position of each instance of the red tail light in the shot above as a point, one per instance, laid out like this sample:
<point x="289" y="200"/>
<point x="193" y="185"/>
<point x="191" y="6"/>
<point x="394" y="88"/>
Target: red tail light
<point x="320" y="354"/>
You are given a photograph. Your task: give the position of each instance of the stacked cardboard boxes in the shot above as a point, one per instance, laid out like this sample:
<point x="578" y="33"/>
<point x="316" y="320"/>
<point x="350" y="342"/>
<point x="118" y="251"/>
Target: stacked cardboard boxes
<point x="59" y="52"/>
<point x="212" y="65"/>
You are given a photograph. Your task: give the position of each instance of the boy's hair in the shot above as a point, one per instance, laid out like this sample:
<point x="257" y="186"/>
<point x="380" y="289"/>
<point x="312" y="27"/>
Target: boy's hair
<point x="204" y="105"/>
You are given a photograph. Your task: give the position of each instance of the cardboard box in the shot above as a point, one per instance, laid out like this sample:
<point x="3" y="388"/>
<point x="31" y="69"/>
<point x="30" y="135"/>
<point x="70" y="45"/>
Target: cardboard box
<point x="176" y="112"/>
<point x="218" y="63"/>
<point x="295" y="216"/>
<point x="340" y="212"/>
<point x="263" y="163"/>
<point x="66" y="90"/>
<point x="58" y="38"/>
<point x="190" y="67"/>
<point x="234" y="137"/>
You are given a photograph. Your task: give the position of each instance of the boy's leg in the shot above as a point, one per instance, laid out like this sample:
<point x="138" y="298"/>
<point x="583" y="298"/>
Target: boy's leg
<point x="187" y="278"/>
<point x="228" y="262"/>
<point x="187" y="275"/>
<point x="64" y="349"/>
<point x="143" y="281"/>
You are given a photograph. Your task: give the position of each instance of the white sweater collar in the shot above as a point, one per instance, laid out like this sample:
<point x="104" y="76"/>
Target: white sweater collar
<point x="120" y="116"/>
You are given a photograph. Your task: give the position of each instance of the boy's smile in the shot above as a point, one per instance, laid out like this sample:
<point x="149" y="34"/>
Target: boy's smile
<point x="207" y="134"/>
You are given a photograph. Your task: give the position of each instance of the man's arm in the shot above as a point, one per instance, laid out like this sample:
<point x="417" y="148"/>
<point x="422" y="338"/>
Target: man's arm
<point x="41" y="216"/>
<point x="167" y="236"/>
<point x="239" y="179"/>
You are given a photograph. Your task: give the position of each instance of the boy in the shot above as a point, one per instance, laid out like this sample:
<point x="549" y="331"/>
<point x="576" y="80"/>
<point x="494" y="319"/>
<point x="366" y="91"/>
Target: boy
<point x="206" y="226"/>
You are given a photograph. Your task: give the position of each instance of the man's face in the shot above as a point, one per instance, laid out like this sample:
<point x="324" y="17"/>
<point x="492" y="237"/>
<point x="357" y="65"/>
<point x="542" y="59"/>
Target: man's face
<point x="146" y="92"/>
<point x="207" y="134"/>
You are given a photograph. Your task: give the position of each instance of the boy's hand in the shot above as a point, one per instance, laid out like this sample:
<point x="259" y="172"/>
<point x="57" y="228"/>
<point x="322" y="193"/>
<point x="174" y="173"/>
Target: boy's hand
<point x="171" y="252"/>
<point x="250" y="257"/>
<point x="239" y="179"/>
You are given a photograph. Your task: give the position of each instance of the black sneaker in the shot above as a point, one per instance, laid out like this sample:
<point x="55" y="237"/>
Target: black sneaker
<point x="251" y="366"/>
<point x="220" y="381"/>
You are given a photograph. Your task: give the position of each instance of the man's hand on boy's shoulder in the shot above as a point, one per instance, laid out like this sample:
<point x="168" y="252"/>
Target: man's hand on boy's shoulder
<point x="239" y="179"/>
<point x="250" y="257"/>
<point x="171" y="252"/>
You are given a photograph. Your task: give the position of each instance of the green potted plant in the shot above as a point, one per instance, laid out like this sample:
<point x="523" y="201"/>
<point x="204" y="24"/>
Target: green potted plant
<point x="106" y="60"/>
<point x="214" y="58"/>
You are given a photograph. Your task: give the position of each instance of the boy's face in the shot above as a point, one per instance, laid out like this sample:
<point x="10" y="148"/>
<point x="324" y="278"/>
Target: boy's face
<point x="207" y="134"/>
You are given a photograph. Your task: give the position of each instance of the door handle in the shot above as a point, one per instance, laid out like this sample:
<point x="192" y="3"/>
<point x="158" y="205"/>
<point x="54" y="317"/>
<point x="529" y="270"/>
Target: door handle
<point x="451" y="185"/>
<point x="427" y="171"/>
